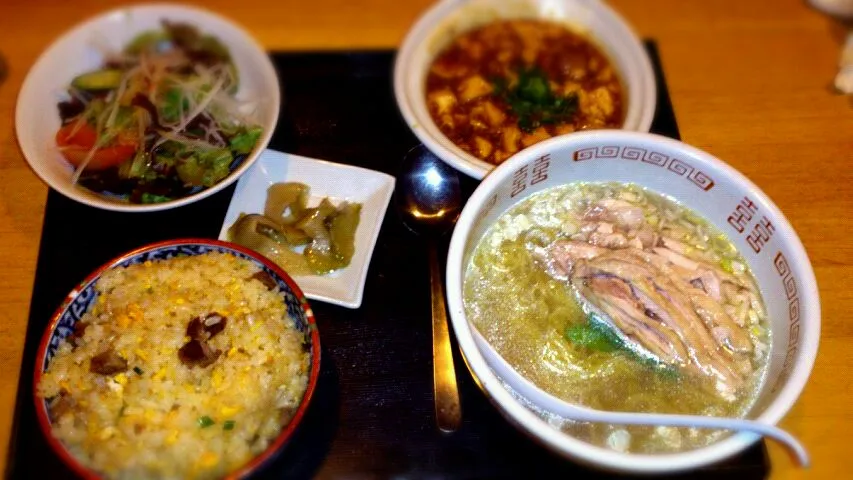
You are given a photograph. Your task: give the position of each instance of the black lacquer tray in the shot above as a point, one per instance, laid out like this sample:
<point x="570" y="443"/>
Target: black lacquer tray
<point x="372" y="414"/>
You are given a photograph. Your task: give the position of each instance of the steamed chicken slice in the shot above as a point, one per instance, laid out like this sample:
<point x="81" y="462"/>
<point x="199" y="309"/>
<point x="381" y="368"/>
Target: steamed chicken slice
<point x="675" y="336"/>
<point x="664" y="304"/>
<point x="614" y="298"/>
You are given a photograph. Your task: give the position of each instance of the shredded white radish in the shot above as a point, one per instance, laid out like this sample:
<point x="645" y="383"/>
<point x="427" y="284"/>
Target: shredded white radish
<point x="235" y="108"/>
<point x="193" y="142"/>
<point x="78" y="124"/>
<point x="120" y="93"/>
<point x="102" y="119"/>
<point x="195" y="112"/>
<point x="211" y="133"/>
<point x="76" y="94"/>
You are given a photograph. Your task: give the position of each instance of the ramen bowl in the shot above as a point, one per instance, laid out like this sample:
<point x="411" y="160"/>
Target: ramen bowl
<point x="702" y="183"/>
<point x="447" y="19"/>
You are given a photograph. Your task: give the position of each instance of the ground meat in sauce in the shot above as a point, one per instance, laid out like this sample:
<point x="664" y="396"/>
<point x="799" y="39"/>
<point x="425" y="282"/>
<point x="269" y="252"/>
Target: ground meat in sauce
<point x="108" y="363"/>
<point x="459" y="85"/>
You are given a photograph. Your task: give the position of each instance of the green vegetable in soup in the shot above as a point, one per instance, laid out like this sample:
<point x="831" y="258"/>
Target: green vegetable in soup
<point x="595" y="336"/>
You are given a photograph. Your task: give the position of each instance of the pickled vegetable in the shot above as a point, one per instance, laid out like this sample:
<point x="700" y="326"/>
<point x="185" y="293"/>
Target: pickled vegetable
<point x="325" y="233"/>
<point x="343" y="228"/>
<point x="264" y="236"/>
<point x="286" y="202"/>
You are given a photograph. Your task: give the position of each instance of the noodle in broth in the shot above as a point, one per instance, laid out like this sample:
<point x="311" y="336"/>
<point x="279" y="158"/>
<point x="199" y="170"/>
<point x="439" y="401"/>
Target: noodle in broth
<point x="524" y="310"/>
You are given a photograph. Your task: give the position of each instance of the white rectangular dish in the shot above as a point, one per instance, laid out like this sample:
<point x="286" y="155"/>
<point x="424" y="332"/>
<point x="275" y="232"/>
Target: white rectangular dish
<point x="370" y="188"/>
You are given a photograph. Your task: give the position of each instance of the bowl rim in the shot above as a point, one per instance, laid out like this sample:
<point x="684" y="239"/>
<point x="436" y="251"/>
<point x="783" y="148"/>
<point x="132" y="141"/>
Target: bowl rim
<point x="583" y="451"/>
<point x="257" y="461"/>
<point x="434" y="17"/>
<point x="47" y="56"/>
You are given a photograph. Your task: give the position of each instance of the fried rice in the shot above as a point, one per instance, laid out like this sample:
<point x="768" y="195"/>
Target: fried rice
<point x="182" y="368"/>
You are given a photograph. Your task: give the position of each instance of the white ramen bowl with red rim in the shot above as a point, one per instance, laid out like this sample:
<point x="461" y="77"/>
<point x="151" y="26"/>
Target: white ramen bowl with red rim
<point x="447" y="19"/>
<point x="698" y="181"/>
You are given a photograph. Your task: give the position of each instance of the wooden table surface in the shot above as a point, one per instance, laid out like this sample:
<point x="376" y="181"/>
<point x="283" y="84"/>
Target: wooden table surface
<point x="750" y="82"/>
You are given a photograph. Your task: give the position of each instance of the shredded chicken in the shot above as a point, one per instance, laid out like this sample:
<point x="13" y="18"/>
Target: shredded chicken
<point x="664" y="305"/>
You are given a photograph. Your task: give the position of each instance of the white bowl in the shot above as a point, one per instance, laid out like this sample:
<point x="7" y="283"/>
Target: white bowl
<point x="702" y="183"/>
<point x="448" y="18"/>
<point x="75" y="52"/>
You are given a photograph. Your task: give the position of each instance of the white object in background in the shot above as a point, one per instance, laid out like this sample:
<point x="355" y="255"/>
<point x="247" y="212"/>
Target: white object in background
<point x="339" y="182"/>
<point x="837" y="8"/>
<point x="844" y="78"/>
<point x="841" y="10"/>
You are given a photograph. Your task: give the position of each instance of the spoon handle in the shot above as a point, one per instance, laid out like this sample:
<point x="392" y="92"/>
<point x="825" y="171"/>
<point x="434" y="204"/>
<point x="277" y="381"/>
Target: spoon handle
<point x="448" y="412"/>
<point x="734" y="424"/>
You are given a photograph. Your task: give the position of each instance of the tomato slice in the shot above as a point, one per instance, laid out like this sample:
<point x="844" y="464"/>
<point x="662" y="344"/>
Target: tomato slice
<point x="76" y="142"/>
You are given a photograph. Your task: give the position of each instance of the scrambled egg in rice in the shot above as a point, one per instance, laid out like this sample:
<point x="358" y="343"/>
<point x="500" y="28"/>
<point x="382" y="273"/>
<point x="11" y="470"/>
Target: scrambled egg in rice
<point x="183" y="368"/>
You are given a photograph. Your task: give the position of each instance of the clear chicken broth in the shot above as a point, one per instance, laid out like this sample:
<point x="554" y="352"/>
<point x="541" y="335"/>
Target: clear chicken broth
<point x="529" y="309"/>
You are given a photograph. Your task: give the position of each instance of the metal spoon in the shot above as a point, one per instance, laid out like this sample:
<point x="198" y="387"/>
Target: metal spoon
<point x="429" y="201"/>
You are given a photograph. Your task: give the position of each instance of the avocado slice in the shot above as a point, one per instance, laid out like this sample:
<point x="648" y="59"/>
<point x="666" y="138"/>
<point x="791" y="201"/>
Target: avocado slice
<point x="148" y="40"/>
<point x="98" y="80"/>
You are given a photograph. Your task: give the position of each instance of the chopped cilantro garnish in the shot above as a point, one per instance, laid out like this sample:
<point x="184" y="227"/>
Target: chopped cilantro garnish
<point x="532" y="100"/>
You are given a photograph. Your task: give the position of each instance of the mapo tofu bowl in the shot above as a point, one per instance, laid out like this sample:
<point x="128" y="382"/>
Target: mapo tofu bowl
<point x="480" y="80"/>
<point x="186" y="358"/>
<point x="631" y="272"/>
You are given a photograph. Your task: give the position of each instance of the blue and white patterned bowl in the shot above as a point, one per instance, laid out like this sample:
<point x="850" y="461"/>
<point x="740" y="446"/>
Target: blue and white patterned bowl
<point x="80" y="298"/>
